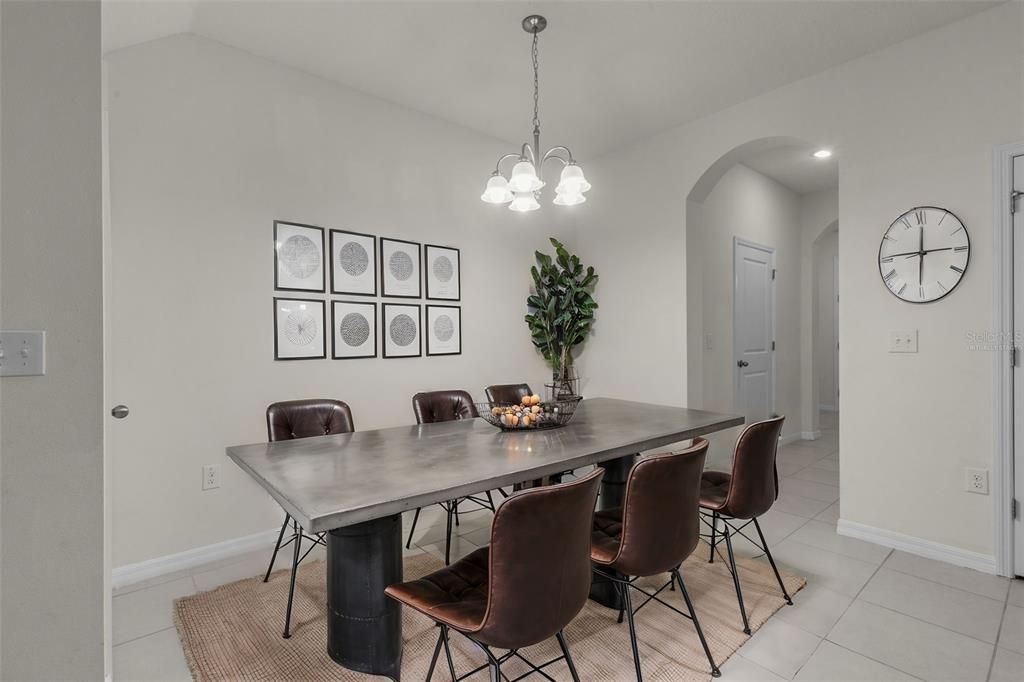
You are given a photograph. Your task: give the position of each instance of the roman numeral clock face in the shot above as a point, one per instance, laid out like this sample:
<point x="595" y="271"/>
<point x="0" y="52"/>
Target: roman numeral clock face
<point x="924" y="254"/>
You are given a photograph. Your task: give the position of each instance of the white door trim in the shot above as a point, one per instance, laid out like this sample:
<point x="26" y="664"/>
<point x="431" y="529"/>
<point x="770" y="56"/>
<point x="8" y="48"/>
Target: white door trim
<point x="739" y="241"/>
<point x="1002" y="463"/>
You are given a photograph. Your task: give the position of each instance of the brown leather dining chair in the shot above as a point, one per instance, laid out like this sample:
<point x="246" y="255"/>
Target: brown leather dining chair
<point x="653" y="532"/>
<point x="507" y="394"/>
<point x="524" y="588"/>
<point x="302" y="419"/>
<point x="443" y="406"/>
<point x="746" y="493"/>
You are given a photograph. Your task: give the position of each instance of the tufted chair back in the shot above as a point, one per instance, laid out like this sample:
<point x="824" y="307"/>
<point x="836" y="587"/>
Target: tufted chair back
<point x="307" y="418"/>
<point x="443" y="406"/>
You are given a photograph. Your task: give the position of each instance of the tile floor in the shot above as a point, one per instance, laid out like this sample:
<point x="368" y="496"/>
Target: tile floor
<point x="868" y="613"/>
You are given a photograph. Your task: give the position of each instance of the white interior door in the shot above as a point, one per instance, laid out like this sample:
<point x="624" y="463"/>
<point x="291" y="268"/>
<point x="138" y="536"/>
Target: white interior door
<point x="754" y="329"/>
<point x="1018" y="375"/>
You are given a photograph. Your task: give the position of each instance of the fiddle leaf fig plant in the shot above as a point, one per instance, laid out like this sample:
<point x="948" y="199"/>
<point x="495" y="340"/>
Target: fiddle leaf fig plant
<point x="561" y="308"/>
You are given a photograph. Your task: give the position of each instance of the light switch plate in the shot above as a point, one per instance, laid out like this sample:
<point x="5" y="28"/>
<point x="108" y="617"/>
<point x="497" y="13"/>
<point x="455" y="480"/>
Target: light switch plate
<point x="22" y="354"/>
<point x="903" y="341"/>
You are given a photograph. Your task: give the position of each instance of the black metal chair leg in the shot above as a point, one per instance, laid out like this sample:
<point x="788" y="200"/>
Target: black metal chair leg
<point x="676" y="575"/>
<point x="448" y="536"/>
<point x="415" y="518"/>
<point x="490" y="501"/>
<point x="291" y="587"/>
<point x="768" y="554"/>
<point x="433" y="659"/>
<point x="503" y="493"/>
<point x="493" y="665"/>
<point x="456" y="503"/>
<point x="277" y="547"/>
<point x="448" y="653"/>
<point x="624" y="593"/>
<point x="714" y="527"/>
<point x="736" y="578"/>
<point x="568" y="658"/>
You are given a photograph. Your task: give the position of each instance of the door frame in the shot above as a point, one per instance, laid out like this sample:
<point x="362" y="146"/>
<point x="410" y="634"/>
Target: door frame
<point x="737" y="242"/>
<point x="1003" y="266"/>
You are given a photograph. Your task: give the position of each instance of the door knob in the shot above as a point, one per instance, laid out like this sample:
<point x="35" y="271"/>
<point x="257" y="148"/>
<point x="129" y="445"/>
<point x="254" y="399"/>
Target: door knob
<point x="119" y="412"/>
<point x="742" y="363"/>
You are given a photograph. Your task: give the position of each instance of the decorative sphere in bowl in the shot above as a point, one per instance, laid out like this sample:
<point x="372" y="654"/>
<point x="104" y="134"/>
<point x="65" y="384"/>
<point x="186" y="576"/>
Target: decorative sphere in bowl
<point x="530" y="414"/>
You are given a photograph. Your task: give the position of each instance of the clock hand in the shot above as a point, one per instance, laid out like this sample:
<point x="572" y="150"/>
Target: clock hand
<point x="917" y="253"/>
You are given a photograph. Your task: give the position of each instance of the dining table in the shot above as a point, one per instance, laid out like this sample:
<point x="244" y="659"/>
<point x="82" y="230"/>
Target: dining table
<point x="355" y="487"/>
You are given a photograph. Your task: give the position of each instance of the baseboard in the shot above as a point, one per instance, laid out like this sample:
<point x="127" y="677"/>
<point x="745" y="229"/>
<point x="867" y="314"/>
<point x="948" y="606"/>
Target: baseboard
<point x="788" y="438"/>
<point x="985" y="563"/>
<point x="810" y="435"/>
<point x="130" y="574"/>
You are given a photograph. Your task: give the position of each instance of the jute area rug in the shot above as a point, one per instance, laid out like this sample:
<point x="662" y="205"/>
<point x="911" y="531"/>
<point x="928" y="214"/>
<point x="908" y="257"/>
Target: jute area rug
<point x="234" y="631"/>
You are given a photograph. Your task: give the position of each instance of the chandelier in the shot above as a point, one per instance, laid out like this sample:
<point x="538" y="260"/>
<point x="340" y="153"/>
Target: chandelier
<point x="521" y="190"/>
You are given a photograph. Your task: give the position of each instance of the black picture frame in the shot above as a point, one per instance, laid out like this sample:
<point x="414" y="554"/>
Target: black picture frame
<point x="373" y="263"/>
<point x="427" y="270"/>
<point x="323" y="329"/>
<point x="384" y="331"/>
<point x="278" y="286"/>
<point x="417" y="261"/>
<point x="430" y="332"/>
<point x="334" y="329"/>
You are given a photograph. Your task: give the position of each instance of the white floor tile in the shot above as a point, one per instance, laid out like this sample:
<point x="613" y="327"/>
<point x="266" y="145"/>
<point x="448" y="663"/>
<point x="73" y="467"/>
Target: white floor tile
<point x="809" y="489"/>
<point x="815" y="609"/>
<point x="818" y="475"/>
<point x="824" y="536"/>
<point x="984" y="584"/>
<point x="740" y="669"/>
<point x="822" y="568"/>
<point x="154" y="657"/>
<point x="144" y="612"/>
<point x="1007" y="666"/>
<point x="830" y="515"/>
<point x="776" y="526"/>
<point x="800" y="506"/>
<point x="249" y="565"/>
<point x="780" y="647"/>
<point x="964" y="612"/>
<point x="460" y="548"/>
<point x="913" y="646"/>
<point x="832" y="663"/>
<point x="1017" y="592"/>
<point x="1011" y="636"/>
<point x="831" y="463"/>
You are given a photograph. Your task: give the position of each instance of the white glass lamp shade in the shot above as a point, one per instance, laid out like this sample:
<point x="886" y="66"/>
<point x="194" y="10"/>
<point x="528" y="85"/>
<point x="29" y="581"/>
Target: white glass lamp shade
<point x="497" y="191"/>
<point x="572" y="180"/>
<point x="524" y="178"/>
<point x="524" y="201"/>
<point x="569" y="198"/>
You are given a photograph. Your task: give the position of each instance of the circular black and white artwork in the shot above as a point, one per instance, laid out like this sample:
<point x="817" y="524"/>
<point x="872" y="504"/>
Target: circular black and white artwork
<point x="353" y="263"/>
<point x="400" y="268"/>
<point x="442" y="270"/>
<point x="355" y="325"/>
<point x="300" y="257"/>
<point x="299" y="329"/>
<point x="444" y="323"/>
<point x="401" y="330"/>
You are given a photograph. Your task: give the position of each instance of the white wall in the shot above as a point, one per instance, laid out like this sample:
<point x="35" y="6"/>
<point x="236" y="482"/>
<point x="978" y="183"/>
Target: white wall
<point x="208" y="145"/>
<point x="910" y="422"/>
<point x="746" y="204"/>
<point x="826" y="369"/>
<point x="51" y="503"/>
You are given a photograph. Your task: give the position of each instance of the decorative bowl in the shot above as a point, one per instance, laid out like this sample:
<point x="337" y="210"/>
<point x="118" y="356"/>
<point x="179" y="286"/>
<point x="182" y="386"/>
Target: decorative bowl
<point x="548" y="414"/>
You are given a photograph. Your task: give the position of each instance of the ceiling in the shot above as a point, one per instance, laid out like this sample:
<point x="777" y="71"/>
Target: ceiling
<point x="794" y="167"/>
<point x="611" y="72"/>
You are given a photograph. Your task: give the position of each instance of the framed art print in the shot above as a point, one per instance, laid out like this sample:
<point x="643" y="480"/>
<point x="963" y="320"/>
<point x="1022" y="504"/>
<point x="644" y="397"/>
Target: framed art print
<point x="299" y="329"/>
<point x="354" y="328"/>
<point x="298" y="257"/>
<point x="444" y="330"/>
<point x="399" y="268"/>
<point x="443" y="272"/>
<point x="353" y="263"/>
<point x="400" y="328"/>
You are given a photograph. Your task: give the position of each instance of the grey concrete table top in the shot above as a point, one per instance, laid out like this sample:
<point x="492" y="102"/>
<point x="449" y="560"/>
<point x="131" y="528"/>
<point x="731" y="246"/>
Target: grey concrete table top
<point x="332" y="481"/>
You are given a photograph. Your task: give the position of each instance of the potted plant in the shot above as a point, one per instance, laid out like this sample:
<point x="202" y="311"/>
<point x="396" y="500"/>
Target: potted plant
<point x="561" y="313"/>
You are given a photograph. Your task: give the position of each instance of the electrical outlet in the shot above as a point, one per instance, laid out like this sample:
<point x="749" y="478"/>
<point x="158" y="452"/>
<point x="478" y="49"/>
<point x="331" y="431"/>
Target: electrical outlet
<point x="977" y="481"/>
<point x="903" y="341"/>
<point x="211" y="476"/>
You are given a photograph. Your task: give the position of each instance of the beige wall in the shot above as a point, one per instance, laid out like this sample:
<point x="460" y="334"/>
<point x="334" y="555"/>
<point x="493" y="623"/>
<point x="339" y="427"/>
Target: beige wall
<point x="51" y="448"/>
<point x="910" y="422"/>
<point x="749" y="205"/>
<point x="208" y="145"/>
<point x="826" y="368"/>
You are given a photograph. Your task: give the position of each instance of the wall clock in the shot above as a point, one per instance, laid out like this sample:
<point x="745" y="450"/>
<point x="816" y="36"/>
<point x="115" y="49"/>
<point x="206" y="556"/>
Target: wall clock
<point x="924" y="254"/>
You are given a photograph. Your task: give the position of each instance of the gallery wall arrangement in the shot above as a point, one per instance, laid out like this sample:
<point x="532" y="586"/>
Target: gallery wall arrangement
<point x="307" y="257"/>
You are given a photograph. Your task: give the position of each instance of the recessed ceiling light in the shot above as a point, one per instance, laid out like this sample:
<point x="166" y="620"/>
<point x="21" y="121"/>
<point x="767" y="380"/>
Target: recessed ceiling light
<point x="822" y="154"/>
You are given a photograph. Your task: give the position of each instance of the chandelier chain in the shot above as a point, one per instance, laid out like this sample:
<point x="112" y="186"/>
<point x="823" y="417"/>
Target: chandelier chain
<point x="536" y="88"/>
